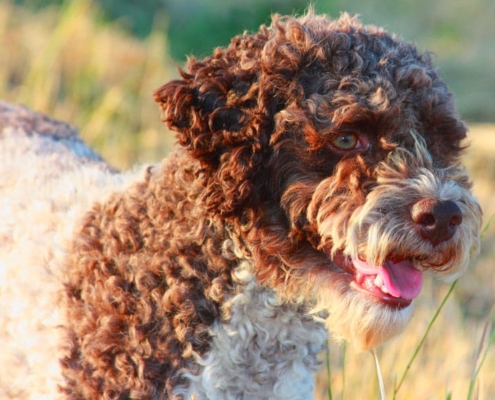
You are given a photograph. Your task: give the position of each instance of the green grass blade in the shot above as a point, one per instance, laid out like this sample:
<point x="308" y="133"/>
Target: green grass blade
<point x="421" y="342"/>
<point x="329" y="373"/>
<point x="484" y="347"/>
<point x="344" y="353"/>
<point x="487" y="225"/>
<point x="381" y="385"/>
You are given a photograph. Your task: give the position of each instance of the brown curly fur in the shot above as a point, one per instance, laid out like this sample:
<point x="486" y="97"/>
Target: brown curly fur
<point x="148" y="276"/>
<point x="260" y="115"/>
<point x="149" y="271"/>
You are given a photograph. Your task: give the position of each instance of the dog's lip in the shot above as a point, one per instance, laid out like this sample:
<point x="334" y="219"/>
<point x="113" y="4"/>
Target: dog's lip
<point x="383" y="283"/>
<point x="364" y="284"/>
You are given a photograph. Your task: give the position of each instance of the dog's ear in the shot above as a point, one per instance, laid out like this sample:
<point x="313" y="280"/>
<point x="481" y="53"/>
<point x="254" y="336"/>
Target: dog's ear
<point x="223" y="120"/>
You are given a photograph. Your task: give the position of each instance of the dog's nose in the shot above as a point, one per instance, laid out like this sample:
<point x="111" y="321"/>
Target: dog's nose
<point x="436" y="220"/>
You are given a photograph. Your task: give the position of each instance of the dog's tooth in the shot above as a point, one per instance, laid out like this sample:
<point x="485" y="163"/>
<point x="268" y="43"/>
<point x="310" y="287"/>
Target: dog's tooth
<point x="384" y="289"/>
<point x="378" y="281"/>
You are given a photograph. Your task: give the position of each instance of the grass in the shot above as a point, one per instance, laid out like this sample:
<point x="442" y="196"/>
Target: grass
<point x="73" y="66"/>
<point x="437" y="359"/>
<point x="486" y="343"/>
<point x="398" y="385"/>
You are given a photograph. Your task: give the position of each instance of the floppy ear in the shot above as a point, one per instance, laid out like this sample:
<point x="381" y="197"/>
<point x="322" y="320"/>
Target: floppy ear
<point x="223" y="119"/>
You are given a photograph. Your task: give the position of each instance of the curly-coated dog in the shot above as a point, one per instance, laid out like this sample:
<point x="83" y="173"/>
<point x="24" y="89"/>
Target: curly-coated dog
<point x="317" y="175"/>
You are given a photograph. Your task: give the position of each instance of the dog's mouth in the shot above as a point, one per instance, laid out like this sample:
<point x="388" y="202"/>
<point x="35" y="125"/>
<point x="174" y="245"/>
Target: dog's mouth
<point x="395" y="283"/>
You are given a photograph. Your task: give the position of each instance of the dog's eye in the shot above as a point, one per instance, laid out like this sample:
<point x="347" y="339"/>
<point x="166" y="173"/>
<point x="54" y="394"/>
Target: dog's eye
<point x="347" y="141"/>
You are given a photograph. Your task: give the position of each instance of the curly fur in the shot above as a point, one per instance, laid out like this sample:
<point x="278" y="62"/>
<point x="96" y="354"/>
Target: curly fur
<point x="216" y="274"/>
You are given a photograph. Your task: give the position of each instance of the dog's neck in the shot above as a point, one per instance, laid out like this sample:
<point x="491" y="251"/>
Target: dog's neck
<point x="265" y="349"/>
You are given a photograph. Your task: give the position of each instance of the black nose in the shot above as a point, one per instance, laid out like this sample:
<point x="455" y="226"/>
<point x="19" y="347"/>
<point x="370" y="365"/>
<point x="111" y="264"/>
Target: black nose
<point x="436" y="220"/>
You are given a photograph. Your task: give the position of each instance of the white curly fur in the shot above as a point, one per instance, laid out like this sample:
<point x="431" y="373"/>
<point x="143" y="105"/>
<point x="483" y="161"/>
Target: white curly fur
<point x="275" y="345"/>
<point x="49" y="183"/>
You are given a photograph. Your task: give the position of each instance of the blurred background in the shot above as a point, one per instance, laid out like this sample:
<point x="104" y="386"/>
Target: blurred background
<point x="96" y="63"/>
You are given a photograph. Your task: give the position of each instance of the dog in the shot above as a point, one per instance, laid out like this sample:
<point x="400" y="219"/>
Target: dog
<point x="316" y="177"/>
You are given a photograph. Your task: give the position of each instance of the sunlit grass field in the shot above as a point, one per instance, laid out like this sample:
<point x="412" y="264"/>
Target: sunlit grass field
<point x="72" y="66"/>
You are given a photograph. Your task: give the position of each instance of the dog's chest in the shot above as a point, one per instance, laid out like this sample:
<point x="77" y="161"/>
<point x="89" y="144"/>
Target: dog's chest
<point x="266" y="351"/>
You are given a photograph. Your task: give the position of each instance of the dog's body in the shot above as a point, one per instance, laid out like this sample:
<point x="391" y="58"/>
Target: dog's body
<point x="316" y="175"/>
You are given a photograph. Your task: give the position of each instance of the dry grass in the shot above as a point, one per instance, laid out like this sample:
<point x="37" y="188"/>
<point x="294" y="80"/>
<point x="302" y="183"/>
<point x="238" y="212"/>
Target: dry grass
<point x="69" y="65"/>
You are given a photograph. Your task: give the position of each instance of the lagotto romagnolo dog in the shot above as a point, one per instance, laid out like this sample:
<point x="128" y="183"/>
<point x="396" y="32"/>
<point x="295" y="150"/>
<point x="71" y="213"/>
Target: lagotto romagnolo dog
<point x="316" y="177"/>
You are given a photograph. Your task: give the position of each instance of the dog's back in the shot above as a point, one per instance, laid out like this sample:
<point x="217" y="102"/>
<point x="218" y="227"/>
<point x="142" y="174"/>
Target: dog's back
<point x="48" y="178"/>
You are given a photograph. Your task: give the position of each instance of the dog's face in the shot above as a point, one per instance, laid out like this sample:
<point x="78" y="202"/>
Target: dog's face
<point x="334" y="151"/>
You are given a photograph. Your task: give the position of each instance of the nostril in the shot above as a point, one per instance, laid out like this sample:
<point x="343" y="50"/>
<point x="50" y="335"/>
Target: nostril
<point x="422" y="212"/>
<point x="423" y="218"/>
<point x="456" y="219"/>
<point x="436" y="220"/>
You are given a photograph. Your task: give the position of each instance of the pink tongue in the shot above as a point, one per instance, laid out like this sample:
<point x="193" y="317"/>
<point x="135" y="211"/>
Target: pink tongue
<point x="401" y="279"/>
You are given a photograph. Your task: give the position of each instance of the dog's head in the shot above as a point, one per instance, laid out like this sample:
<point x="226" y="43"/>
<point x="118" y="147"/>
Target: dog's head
<point x="334" y="150"/>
